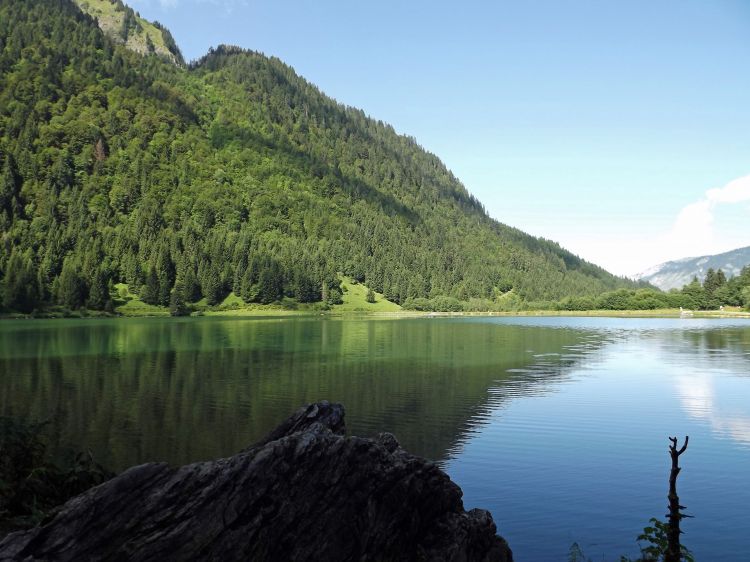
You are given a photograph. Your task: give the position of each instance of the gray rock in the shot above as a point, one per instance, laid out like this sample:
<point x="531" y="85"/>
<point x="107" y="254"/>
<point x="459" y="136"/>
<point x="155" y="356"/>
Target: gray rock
<point x="305" y="492"/>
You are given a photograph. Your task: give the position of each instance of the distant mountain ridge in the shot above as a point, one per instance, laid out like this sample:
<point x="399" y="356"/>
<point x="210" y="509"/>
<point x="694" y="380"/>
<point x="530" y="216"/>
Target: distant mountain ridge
<point x="677" y="273"/>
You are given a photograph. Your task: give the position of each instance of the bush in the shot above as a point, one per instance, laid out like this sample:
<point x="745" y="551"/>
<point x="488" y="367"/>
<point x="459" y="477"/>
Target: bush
<point x="615" y="300"/>
<point x="420" y="304"/>
<point x="30" y="484"/>
<point x="446" y="304"/>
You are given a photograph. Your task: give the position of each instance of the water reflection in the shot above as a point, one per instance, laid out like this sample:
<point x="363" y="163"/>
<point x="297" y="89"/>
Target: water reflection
<point x="704" y="398"/>
<point x="583" y="459"/>
<point x="566" y="413"/>
<point x="138" y="390"/>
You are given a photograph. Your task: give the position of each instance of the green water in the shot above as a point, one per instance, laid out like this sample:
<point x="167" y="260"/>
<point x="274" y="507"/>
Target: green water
<point x="571" y="414"/>
<point x="136" y="390"/>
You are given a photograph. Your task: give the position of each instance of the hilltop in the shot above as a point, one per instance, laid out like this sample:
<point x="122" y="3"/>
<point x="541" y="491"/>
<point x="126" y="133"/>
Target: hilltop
<point x="125" y="26"/>
<point x="232" y="176"/>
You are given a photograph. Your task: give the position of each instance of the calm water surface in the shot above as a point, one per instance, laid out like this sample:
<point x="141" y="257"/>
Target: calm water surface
<point x="557" y="425"/>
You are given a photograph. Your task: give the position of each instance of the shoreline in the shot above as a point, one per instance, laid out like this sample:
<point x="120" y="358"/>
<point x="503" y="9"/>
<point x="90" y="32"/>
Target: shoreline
<point x="256" y="312"/>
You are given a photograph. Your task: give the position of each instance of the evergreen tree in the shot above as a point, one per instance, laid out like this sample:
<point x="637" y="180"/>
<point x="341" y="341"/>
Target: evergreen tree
<point x="712" y="285"/>
<point x="270" y="283"/>
<point x="212" y="287"/>
<point x="10" y="188"/>
<point x="177" y="304"/>
<point x="21" y="290"/>
<point x="370" y="297"/>
<point x="166" y="276"/>
<point x="711" y="282"/>
<point x="99" y="291"/>
<point x="189" y="281"/>
<point x="248" y="290"/>
<point x="151" y="289"/>
<point x="72" y="289"/>
<point x="129" y="23"/>
<point x="305" y="288"/>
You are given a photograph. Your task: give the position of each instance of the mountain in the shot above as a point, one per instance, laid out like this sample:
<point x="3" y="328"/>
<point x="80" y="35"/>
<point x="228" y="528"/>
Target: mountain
<point x="232" y="174"/>
<point x="125" y="26"/>
<point x="678" y="273"/>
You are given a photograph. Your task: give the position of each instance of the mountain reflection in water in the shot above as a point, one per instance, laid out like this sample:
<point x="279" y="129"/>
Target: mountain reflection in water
<point x="557" y="425"/>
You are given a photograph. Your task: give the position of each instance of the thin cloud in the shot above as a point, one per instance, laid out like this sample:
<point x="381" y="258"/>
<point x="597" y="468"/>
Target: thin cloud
<point x="704" y="227"/>
<point x="693" y="232"/>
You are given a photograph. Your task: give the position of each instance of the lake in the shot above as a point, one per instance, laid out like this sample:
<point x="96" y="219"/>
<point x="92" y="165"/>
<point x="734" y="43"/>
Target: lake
<point x="556" y="425"/>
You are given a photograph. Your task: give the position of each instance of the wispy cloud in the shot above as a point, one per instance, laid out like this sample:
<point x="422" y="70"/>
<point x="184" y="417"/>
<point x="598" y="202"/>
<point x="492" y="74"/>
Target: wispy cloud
<point x="711" y="225"/>
<point x="693" y="231"/>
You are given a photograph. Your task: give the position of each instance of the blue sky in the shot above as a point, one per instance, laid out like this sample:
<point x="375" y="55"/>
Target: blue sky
<point x="601" y="125"/>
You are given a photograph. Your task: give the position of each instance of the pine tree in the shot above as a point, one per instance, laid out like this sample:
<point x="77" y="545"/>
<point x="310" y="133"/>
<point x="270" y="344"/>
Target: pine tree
<point x="248" y="290"/>
<point x="721" y="278"/>
<point x="10" y="188"/>
<point x="305" y="288"/>
<point x="714" y="281"/>
<point x="99" y="291"/>
<point x="177" y="304"/>
<point x="710" y="283"/>
<point x="21" y="289"/>
<point x="270" y="283"/>
<point x="166" y="276"/>
<point x="189" y="281"/>
<point x="212" y="287"/>
<point x="72" y="290"/>
<point x="370" y="297"/>
<point x="151" y="289"/>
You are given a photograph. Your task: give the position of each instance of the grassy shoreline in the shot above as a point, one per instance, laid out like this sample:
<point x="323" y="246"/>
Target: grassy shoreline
<point x="355" y="303"/>
<point x="261" y="311"/>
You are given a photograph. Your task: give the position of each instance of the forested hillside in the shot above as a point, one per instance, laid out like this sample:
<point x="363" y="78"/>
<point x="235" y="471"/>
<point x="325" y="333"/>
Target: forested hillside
<point x="232" y="174"/>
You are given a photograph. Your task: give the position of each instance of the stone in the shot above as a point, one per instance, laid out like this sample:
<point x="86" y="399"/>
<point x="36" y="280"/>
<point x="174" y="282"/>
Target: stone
<point x="305" y="492"/>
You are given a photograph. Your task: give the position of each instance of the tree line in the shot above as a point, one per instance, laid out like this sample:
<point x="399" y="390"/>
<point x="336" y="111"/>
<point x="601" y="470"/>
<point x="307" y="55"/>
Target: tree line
<point x="714" y="292"/>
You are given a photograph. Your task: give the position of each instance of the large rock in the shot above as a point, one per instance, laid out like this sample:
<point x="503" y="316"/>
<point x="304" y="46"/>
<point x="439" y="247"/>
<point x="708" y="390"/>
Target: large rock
<point x="306" y="492"/>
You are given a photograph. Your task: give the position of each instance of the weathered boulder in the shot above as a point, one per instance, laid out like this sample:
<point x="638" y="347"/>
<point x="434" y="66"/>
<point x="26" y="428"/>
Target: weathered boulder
<point x="305" y="492"/>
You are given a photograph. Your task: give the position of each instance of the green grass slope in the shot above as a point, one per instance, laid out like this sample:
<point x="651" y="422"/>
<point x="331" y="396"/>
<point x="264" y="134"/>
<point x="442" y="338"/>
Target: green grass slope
<point x="355" y="299"/>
